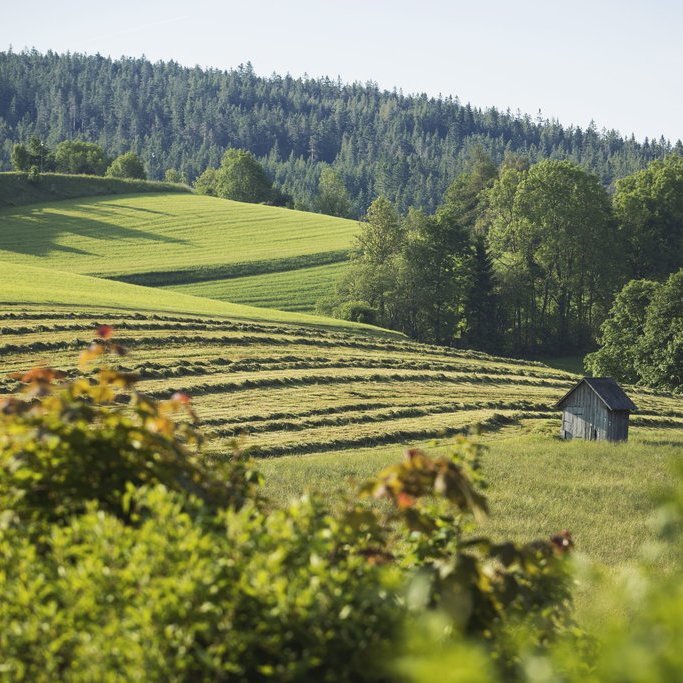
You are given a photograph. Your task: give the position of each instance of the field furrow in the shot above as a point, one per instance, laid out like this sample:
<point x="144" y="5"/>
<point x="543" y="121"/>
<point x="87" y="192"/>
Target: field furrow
<point x="294" y="390"/>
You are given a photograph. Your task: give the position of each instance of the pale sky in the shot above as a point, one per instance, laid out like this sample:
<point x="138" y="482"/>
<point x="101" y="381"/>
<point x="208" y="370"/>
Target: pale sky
<point x="617" y="62"/>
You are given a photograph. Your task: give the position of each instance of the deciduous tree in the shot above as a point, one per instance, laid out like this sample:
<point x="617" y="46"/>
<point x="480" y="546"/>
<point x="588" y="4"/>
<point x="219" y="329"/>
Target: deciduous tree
<point x="333" y="197"/>
<point x="649" y="207"/>
<point x="242" y="178"/>
<point x="77" y="156"/>
<point x="660" y="351"/>
<point x="621" y="333"/>
<point x="551" y="232"/>
<point x="127" y="165"/>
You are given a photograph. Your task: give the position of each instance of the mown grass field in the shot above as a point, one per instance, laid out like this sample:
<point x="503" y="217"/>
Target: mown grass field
<point x="209" y="246"/>
<point x="327" y="408"/>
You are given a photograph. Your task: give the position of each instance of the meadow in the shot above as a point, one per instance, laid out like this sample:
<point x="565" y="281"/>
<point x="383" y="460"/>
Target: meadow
<point x="291" y="290"/>
<point x="326" y="408"/>
<point x="203" y="244"/>
<point x="29" y="285"/>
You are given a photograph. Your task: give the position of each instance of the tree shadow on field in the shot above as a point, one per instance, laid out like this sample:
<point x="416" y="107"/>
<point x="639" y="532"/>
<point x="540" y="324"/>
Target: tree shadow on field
<point x="38" y="231"/>
<point x="116" y="207"/>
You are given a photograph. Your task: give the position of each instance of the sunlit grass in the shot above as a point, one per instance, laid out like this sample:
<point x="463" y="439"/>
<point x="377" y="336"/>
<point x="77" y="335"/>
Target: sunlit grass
<point x="292" y="290"/>
<point x="119" y="235"/>
<point x="27" y="285"/>
<point x="335" y="407"/>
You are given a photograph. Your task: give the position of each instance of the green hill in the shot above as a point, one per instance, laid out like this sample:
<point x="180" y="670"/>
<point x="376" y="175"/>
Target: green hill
<point x="29" y="285"/>
<point x="290" y="290"/>
<point x="180" y="239"/>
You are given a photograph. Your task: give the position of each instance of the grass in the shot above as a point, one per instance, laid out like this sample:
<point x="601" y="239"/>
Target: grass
<point x="17" y="190"/>
<point x="328" y="407"/>
<point x="569" y="363"/>
<point x="162" y="232"/>
<point x="291" y="290"/>
<point x="605" y="494"/>
<point x="538" y="484"/>
<point x="204" y="246"/>
<point x="27" y="285"/>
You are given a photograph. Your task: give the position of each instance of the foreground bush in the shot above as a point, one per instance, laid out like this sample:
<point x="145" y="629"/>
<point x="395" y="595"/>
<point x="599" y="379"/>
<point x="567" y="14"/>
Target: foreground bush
<point x="183" y="594"/>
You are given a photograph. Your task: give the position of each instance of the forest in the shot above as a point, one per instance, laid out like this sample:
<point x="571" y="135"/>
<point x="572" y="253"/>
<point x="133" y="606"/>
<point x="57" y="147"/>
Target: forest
<point x="527" y="260"/>
<point x="408" y="148"/>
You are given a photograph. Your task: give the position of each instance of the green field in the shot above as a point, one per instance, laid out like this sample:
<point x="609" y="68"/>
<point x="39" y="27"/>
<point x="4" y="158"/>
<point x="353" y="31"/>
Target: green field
<point x="327" y="408"/>
<point x="27" y="286"/>
<point x="324" y="402"/>
<point x="291" y="290"/>
<point x="209" y="246"/>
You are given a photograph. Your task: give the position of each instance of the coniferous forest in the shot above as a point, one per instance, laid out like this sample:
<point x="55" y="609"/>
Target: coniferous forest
<point x="408" y="148"/>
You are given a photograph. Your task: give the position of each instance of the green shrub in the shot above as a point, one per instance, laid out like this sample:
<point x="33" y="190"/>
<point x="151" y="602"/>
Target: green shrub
<point x="358" y="311"/>
<point x="33" y="175"/>
<point x="17" y="189"/>
<point x="62" y="445"/>
<point x="189" y="595"/>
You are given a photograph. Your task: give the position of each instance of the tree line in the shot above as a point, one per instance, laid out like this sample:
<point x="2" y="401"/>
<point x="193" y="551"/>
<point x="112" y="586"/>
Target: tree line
<point x="76" y="157"/>
<point x="518" y="258"/>
<point x="408" y="148"/>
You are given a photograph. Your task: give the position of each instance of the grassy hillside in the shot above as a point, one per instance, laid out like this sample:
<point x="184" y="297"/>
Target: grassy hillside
<point x="174" y="239"/>
<point x="17" y="190"/>
<point x="291" y="290"/>
<point x="300" y="390"/>
<point x="27" y="285"/>
<point x="116" y="236"/>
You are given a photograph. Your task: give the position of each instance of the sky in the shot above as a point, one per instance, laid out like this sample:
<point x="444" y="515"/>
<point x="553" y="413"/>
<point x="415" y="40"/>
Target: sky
<point x="618" y="63"/>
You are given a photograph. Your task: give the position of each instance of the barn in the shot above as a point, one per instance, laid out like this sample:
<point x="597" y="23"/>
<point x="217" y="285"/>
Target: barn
<point x="596" y="409"/>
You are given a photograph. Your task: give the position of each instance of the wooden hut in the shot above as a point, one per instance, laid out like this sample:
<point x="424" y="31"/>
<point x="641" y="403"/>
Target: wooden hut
<point x="596" y="409"/>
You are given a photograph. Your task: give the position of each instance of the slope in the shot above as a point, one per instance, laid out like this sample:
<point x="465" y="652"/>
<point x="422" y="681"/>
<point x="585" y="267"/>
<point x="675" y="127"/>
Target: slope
<point x="334" y="406"/>
<point x="182" y="240"/>
<point x="301" y="390"/>
<point x="30" y="286"/>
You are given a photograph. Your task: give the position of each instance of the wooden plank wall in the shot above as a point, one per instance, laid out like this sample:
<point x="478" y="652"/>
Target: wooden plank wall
<point x="585" y="413"/>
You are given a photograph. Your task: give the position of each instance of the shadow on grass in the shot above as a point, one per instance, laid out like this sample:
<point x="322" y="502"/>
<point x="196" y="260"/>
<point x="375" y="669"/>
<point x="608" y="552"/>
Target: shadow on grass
<point x="128" y="207"/>
<point x="38" y="232"/>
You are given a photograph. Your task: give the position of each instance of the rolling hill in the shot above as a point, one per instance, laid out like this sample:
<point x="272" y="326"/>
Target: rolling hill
<point x="200" y="243"/>
<point x="30" y="286"/>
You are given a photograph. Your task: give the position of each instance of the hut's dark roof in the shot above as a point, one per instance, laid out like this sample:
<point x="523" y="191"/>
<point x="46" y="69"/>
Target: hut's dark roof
<point x="611" y="394"/>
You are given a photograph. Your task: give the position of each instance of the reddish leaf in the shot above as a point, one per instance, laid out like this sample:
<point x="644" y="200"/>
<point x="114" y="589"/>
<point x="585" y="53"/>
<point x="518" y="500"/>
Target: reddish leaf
<point x="38" y="375"/>
<point x="105" y="331"/>
<point x="562" y="542"/>
<point x="405" y="500"/>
